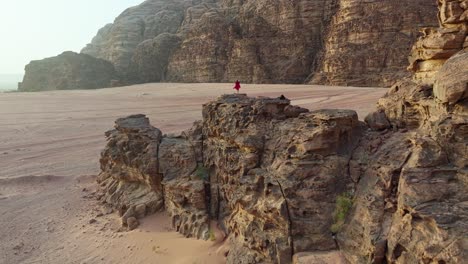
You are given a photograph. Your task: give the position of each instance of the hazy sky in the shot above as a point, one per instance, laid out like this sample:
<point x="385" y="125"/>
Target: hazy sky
<point x="35" y="29"/>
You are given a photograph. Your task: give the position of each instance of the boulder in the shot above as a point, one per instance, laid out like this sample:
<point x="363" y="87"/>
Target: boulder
<point x="451" y="82"/>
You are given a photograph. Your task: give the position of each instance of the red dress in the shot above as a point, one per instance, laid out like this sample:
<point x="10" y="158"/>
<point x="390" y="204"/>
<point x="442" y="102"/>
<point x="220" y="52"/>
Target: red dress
<point x="237" y="86"/>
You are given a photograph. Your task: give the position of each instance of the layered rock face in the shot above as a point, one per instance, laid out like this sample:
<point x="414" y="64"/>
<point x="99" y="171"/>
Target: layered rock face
<point x="329" y="41"/>
<point x="275" y="174"/>
<point x="411" y="192"/>
<point x="253" y="41"/>
<point x="411" y="182"/>
<point x="68" y="71"/>
<point x="117" y="42"/>
<point x="149" y="62"/>
<point x="438" y="44"/>
<point x="368" y="41"/>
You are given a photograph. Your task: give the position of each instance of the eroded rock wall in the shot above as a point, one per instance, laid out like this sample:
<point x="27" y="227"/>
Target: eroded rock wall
<point x="367" y="42"/>
<point x="253" y="41"/>
<point x="276" y="174"/>
<point x="339" y="42"/>
<point x="267" y="172"/>
<point x="117" y="42"/>
<point x="438" y="44"/>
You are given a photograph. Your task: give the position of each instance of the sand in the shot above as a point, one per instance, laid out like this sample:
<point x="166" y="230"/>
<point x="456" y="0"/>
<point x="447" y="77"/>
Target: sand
<point x="49" y="157"/>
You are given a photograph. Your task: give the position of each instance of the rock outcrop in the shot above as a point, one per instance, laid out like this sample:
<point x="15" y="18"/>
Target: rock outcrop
<point x="130" y="177"/>
<point x="267" y="172"/>
<point x="411" y="192"/>
<point x="440" y="43"/>
<point x="68" y="71"/>
<point x="284" y="183"/>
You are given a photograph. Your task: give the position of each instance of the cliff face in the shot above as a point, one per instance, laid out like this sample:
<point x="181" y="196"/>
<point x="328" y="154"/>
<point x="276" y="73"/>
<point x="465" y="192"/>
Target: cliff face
<point x="440" y="43"/>
<point x="67" y="71"/>
<point x="368" y="41"/>
<point x="328" y="41"/>
<point x="284" y="183"/>
<point x="117" y="42"/>
<point x="253" y="41"/>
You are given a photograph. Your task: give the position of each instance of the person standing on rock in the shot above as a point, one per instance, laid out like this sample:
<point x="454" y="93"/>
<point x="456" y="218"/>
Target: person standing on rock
<point x="237" y="86"/>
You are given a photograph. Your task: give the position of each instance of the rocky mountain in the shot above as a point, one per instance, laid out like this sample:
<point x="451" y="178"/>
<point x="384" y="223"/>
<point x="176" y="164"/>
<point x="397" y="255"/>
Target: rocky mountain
<point x="343" y="42"/>
<point x="67" y="71"/>
<point x="338" y="42"/>
<point x="285" y="184"/>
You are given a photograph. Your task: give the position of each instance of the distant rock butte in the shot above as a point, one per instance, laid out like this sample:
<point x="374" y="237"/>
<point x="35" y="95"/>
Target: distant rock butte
<point x="68" y="71"/>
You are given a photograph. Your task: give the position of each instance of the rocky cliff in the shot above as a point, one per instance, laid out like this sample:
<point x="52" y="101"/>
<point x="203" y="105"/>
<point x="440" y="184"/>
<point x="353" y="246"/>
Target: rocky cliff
<point x="67" y="71"/>
<point x="281" y="181"/>
<point x="286" y="184"/>
<point x="368" y="42"/>
<point x="328" y="41"/>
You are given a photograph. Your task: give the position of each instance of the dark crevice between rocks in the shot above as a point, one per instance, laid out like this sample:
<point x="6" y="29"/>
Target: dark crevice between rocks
<point x="398" y="251"/>
<point x="163" y="196"/>
<point x="393" y="198"/>
<point x="290" y="227"/>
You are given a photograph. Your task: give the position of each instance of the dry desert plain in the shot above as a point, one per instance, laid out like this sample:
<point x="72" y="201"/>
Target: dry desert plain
<point x="49" y="156"/>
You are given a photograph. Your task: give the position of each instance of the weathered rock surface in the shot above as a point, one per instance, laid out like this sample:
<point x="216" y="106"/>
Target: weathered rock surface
<point x="368" y="41"/>
<point x="452" y="80"/>
<point x="275" y="178"/>
<point x="271" y="179"/>
<point x="67" y="71"/>
<point x="329" y="41"/>
<point x="117" y="42"/>
<point x="253" y="41"/>
<point x="150" y="59"/>
<point x="411" y="183"/>
<point x="130" y="177"/>
<point x="440" y="43"/>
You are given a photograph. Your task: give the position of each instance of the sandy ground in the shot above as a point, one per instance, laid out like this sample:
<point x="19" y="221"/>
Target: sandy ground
<point x="49" y="150"/>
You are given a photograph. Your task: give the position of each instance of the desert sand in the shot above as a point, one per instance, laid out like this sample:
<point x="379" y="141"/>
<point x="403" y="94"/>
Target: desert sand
<point x="49" y="157"/>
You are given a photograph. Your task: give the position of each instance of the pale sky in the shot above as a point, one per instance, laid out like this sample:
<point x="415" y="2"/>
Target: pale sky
<point x="36" y="29"/>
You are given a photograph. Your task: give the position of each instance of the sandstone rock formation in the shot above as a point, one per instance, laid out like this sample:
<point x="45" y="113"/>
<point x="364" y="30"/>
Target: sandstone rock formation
<point x="438" y="44"/>
<point x="252" y="165"/>
<point x="67" y="71"/>
<point x="150" y="60"/>
<point x="117" y="42"/>
<point x="270" y="175"/>
<point x="368" y="41"/>
<point x="253" y="41"/>
<point x="328" y="41"/>
<point x="130" y="175"/>
<point x="284" y="183"/>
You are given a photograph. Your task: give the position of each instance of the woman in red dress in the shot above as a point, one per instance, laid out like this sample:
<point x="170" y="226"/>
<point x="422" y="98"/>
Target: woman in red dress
<point x="237" y="86"/>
